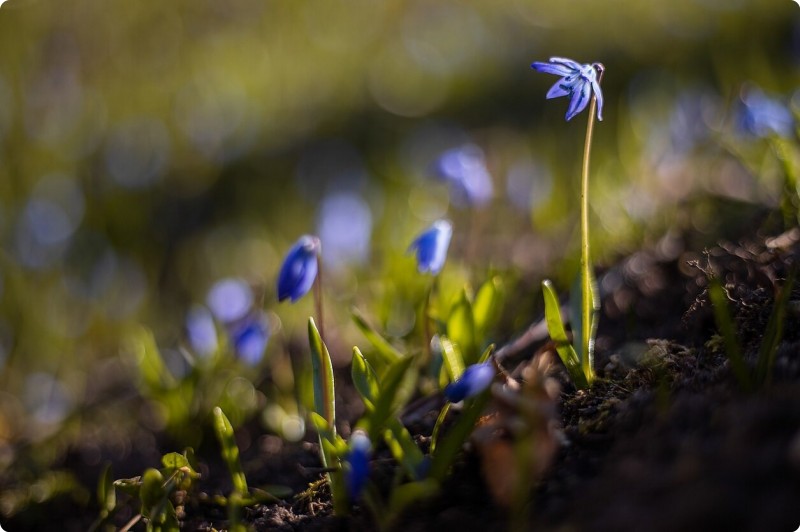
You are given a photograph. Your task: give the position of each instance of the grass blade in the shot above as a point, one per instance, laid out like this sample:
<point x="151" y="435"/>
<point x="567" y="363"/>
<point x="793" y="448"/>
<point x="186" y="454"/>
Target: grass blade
<point x="727" y="328"/>
<point x="774" y="332"/>
<point x="322" y="375"/>
<point x="383" y="348"/>
<point x="230" y="451"/>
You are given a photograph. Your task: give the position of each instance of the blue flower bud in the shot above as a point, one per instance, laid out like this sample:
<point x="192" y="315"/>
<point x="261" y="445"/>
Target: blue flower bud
<point x="250" y="338"/>
<point x="201" y="332"/>
<point x="762" y="115"/>
<point x="577" y="81"/>
<point x="299" y="269"/>
<point x="473" y="381"/>
<point x="431" y="247"/>
<point x="464" y="170"/>
<point x="357" y="464"/>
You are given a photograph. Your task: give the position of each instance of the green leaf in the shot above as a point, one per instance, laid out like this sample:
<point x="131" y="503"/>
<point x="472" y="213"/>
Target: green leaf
<point x="585" y="351"/>
<point x="130" y="486"/>
<point x="106" y="494"/>
<point x="322" y="375"/>
<point x="155" y="375"/>
<point x="364" y="379"/>
<point x="774" y="332"/>
<point x="404" y="496"/>
<point x="453" y="361"/>
<point x="461" y="328"/>
<point x="384" y="349"/>
<point x="403" y="448"/>
<point x="555" y="326"/>
<point x="397" y="386"/>
<point x="488" y="306"/>
<point x="155" y="501"/>
<point x="448" y="446"/>
<point x="174" y="461"/>
<point x="727" y="328"/>
<point x="230" y="451"/>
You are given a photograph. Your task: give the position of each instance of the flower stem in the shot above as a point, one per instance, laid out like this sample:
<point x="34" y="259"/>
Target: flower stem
<point x="588" y="295"/>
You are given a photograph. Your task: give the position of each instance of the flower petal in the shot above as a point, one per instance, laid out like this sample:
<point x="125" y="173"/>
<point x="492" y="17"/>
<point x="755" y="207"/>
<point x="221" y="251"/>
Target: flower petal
<point x="599" y="95"/>
<point x="580" y="99"/>
<point x="568" y="63"/>
<point x="560" y="88"/>
<point x="431" y="247"/>
<point x="548" y="68"/>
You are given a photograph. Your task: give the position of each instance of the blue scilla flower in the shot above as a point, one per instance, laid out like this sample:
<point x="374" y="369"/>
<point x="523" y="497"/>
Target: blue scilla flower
<point x="473" y="381"/>
<point x="431" y="247"/>
<point x="763" y="115"/>
<point x="357" y="464"/>
<point x="201" y="331"/>
<point x="577" y="81"/>
<point x="464" y="170"/>
<point x="229" y="299"/>
<point x="299" y="269"/>
<point x="250" y="337"/>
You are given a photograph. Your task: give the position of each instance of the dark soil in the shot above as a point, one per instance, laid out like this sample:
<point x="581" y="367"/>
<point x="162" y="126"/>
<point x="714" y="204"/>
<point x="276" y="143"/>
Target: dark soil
<point x="667" y="439"/>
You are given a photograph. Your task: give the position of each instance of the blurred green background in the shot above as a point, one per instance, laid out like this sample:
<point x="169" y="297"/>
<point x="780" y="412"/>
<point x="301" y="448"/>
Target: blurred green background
<point x="150" y="149"/>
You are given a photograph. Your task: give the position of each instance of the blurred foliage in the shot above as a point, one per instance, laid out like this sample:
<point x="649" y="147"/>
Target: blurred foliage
<point x="148" y="149"/>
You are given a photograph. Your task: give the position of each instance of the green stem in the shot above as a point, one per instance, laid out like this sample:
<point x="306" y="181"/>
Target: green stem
<point x="587" y="288"/>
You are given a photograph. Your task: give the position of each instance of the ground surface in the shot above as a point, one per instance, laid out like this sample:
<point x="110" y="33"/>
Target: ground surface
<point x="666" y="440"/>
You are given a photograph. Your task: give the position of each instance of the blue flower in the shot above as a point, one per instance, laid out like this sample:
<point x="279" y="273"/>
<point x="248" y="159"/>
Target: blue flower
<point x="763" y="115"/>
<point x="229" y="299"/>
<point x="431" y="247"/>
<point x="577" y="81"/>
<point x="250" y="338"/>
<point x="473" y="381"/>
<point x="357" y="464"/>
<point x="299" y="269"/>
<point x="201" y="332"/>
<point x="464" y="170"/>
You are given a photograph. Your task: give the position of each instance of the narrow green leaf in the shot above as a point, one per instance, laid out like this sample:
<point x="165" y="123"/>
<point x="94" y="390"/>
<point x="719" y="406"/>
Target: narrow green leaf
<point x="322" y="373"/>
<point x="395" y="392"/>
<point x="130" y="486"/>
<point x="774" y="332"/>
<point x="486" y="353"/>
<point x="727" y="328"/>
<point x="555" y="326"/>
<point x="154" y="373"/>
<point x="584" y="350"/>
<point x="461" y="328"/>
<point x="106" y="494"/>
<point x="384" y="349"/>
<point x="437" y="427"/>
<point x="230" y="451"/>
<point x="488" y="306"/>
<point x="406" y="495"/>
<point x="364" y="379"/>
<point x="403" y="448"/>
<point x="155" y="499"/>
<point x="450" y="445"/>
<point x="453" y="361"/>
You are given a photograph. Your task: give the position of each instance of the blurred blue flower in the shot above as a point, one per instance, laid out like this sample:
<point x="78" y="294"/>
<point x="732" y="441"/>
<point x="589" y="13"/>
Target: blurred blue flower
<point x="431" y="247"/>
<point x="201" y="332"/>
<point x="464" y="170"/>
<point x="763" y="115"/>
<point x="357" y="462"/>
<point x="250" y="338"/>
<point x="299" y="269"/>
<point x="473" y="381"/>
<point x="577" y="81"/>
<point x="229" y="299"/>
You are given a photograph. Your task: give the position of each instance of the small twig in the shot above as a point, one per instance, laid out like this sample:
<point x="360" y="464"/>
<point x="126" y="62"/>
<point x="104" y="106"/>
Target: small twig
<point x="136" y="518"/>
